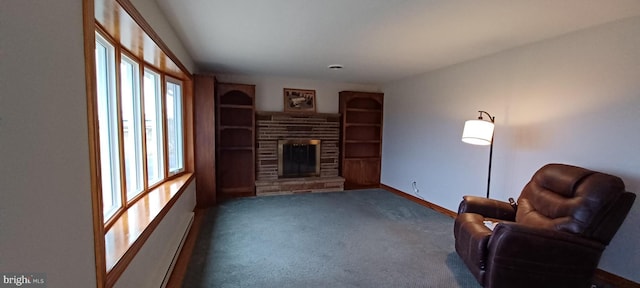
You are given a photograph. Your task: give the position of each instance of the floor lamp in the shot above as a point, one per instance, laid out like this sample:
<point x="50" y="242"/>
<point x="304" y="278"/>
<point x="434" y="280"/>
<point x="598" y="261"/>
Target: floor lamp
<point x="480" y="132"/>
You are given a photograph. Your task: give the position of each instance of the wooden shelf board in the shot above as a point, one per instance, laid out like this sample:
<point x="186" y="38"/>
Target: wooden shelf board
<point x="346" y="158"/>
<point x="364" y="110"/>
<point x="224" y="127"/>
<point x="236" y="148"/>
<point x="362" y="124"/>
<point x="362" y="141"/>
<point x="235" y="106"/>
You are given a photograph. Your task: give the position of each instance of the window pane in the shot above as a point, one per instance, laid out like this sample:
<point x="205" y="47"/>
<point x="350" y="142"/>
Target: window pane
<point x="107" y="128"/>
<point x="174" y="127"/>
<point x="131" y="126"/>
<point x="153" y="127"/>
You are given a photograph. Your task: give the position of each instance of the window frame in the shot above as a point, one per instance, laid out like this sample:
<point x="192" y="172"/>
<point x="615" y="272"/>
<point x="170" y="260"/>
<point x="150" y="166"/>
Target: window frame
<point x="125" y="56"/>
<point x="98" y="18"/>
<point x="175" y="81"/>
<point x="161" y="116"/>
<point x="118" y="52"/>
<point x="113" y="126"/>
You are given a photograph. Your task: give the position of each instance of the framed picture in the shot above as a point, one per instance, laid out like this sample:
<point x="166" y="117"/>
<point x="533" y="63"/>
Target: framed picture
<point x="299" y="100"/>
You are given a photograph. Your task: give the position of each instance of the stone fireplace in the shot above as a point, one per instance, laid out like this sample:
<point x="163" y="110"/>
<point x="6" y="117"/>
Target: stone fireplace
<point x="298" y="158"/>
<point x="297" y="153"/>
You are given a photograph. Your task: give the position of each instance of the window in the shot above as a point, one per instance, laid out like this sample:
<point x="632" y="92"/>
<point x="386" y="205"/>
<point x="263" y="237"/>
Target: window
<point x="107" y="127"/>
<point x="131" y="126"/>
<point x="153" y="127"/>
<point x="175" y="148"/>
<point x="141" y="146"/>
<point x="134" y="155"/>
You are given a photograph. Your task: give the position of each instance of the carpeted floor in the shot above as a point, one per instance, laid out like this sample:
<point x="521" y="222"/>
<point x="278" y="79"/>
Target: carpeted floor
<point x="365" y="238"/>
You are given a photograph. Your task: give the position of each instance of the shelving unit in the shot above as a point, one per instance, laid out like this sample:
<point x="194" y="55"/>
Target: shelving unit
<point x="204" y="136"/>
<point x="361" y="138"/>
<point x="235" y="134"/>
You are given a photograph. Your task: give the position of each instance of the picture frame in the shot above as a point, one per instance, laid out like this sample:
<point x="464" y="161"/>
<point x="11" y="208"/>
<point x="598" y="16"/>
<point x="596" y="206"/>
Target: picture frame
<point x="299" y="100"/>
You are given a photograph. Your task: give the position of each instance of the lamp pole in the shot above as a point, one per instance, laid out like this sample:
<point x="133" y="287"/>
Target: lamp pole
<point x="493" y="120"/>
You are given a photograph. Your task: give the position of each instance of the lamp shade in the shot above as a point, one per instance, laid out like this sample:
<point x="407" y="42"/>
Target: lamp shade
<point x="477" y="132"/>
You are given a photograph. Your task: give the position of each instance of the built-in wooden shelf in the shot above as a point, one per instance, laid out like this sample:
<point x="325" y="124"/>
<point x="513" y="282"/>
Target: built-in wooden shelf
<point x="205" y="140"/>
<point x="235" y="131"/>
<point x="361" y="138"/>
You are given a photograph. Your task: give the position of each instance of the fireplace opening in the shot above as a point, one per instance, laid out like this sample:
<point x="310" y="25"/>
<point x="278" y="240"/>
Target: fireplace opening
<point x="298" y="158"/>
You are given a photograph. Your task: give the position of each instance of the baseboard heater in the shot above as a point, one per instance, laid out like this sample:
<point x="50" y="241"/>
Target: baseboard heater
<point x="165" y="281"/>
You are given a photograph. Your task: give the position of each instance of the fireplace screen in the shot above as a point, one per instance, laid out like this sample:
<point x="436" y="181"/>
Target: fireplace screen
<point x="298" y="158"/>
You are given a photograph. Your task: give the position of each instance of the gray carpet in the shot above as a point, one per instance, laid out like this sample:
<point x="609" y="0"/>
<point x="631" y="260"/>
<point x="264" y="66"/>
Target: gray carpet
<point x="364" y="238"/>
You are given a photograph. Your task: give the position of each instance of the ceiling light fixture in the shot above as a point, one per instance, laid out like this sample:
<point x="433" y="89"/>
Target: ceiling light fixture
<point x="335" y="66"/>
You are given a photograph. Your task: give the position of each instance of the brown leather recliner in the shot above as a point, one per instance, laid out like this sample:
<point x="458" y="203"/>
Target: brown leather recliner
<point x="554" y="237"/>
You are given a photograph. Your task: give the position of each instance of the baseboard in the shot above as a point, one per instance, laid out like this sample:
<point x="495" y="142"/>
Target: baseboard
<point x="180" y="267"/>
<point x="422" y="202"/>
<point x="600" y="277"/>
<point x="611" y="280"/>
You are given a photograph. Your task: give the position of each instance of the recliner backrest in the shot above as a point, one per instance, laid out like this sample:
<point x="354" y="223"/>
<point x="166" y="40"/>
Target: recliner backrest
<point x="573" y="199"/>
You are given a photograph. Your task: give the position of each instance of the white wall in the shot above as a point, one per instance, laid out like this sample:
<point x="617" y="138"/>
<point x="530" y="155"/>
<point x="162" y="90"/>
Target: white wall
<point x="269" y="90"/>
<point x="573" y="99"/>
<point x="45" y="197"/>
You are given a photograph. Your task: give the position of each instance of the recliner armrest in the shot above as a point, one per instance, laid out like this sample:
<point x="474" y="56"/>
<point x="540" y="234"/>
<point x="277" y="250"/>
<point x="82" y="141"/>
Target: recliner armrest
<point x="512" y="231"/>
<point x="489" y="208"/>
<point x="519" y="255"/>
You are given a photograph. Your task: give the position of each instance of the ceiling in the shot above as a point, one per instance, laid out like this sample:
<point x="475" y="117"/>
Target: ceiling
<point x="377" y="41"/>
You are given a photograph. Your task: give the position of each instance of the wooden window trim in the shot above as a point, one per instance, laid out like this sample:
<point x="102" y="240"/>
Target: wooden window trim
<point x="133" y="12"/>
<point x="124" y="247"/>
<point x="88" y="20"/>
<point x="170" y="79"/>
<point x="142" y="66"/>
<point x="90" y="26"/>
